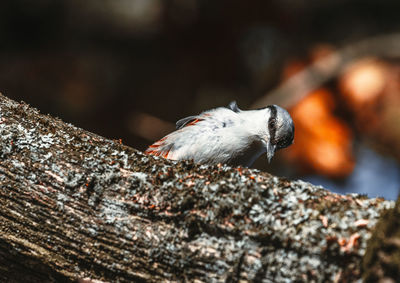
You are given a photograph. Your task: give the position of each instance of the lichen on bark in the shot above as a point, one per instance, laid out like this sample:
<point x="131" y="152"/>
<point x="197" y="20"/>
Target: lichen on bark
<point x="75" y="205"/>
<point x="382" y="258"/>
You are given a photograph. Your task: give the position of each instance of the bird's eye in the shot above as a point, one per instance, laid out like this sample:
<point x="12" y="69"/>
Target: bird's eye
<point x="271" y="123"/>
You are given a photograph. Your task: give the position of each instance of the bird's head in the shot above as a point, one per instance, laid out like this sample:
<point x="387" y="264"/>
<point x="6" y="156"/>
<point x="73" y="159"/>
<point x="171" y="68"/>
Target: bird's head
<point x="278" y="132"/>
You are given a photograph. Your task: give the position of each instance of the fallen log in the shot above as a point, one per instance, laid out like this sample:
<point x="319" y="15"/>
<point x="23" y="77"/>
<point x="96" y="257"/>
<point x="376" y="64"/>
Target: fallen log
<point x="75" y="206"/>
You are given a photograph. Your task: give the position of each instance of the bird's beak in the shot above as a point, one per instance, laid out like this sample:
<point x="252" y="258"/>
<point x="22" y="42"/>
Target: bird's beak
<point x="270" y="151"/>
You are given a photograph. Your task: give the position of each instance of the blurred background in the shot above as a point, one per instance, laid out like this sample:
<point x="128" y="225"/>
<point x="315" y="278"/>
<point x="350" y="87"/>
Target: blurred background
<point x="128" y="69"/>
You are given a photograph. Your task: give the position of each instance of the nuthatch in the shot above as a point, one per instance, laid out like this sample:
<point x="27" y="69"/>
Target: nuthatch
<point x="228" y="135"/>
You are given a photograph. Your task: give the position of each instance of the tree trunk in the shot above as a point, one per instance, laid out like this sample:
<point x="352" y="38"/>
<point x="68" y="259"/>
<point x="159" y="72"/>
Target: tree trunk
<point x="76" y="206"/>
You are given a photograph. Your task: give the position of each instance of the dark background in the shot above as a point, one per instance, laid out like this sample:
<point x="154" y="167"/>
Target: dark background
<point x="128" y="69"/>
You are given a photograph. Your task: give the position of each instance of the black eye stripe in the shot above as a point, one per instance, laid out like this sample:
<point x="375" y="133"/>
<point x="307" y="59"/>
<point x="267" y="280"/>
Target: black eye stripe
<point x="272" y="123"/>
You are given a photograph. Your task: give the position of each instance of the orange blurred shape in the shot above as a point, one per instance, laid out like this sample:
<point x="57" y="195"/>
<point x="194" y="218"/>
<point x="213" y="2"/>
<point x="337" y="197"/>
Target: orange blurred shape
<point x="320" y="51"/>
<point x="363" y="82"/>
<point x="149" y="127"/>
<point x="322" y="141"/>
<point x="326" y="57"/>
<point x="292" y="67"/>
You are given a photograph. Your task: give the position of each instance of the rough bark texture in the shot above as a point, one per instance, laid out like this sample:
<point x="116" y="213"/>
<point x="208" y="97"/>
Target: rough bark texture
<point x="382" y="260"/>
<point x="74" y="206"/>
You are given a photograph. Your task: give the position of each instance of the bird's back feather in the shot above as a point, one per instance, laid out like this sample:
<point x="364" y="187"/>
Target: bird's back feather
<point x="198" y="136"/>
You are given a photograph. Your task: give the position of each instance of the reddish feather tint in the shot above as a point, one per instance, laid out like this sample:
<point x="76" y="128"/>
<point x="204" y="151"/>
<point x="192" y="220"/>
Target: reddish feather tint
<point x="154" y="149"/>
<point x="194" y="122"/>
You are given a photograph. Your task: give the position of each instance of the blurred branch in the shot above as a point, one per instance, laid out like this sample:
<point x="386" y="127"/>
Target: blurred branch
<point x="149" y="127"/>
<point x="298" y="86"/>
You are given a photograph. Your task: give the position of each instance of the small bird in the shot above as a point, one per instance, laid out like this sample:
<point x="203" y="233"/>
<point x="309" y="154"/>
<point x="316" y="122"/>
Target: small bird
<point x="228" y="135"/>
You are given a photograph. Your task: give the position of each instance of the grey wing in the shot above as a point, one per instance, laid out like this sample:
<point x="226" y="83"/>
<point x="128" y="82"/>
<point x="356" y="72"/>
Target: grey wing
<point x="184" y="121"/>
<point x="217" y="118"/>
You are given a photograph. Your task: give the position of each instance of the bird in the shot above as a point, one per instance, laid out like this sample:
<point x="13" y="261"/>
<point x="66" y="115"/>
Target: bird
<point x="227" y="135"/>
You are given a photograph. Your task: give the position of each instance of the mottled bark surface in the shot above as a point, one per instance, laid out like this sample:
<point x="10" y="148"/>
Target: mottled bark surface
<point x="74" y="205"/>
<point x="382" y="260"/>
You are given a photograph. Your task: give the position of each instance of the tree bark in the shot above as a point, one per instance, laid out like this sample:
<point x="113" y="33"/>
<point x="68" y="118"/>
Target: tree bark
<point x="77" y="206"/>
<point x="381" y="262"/>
